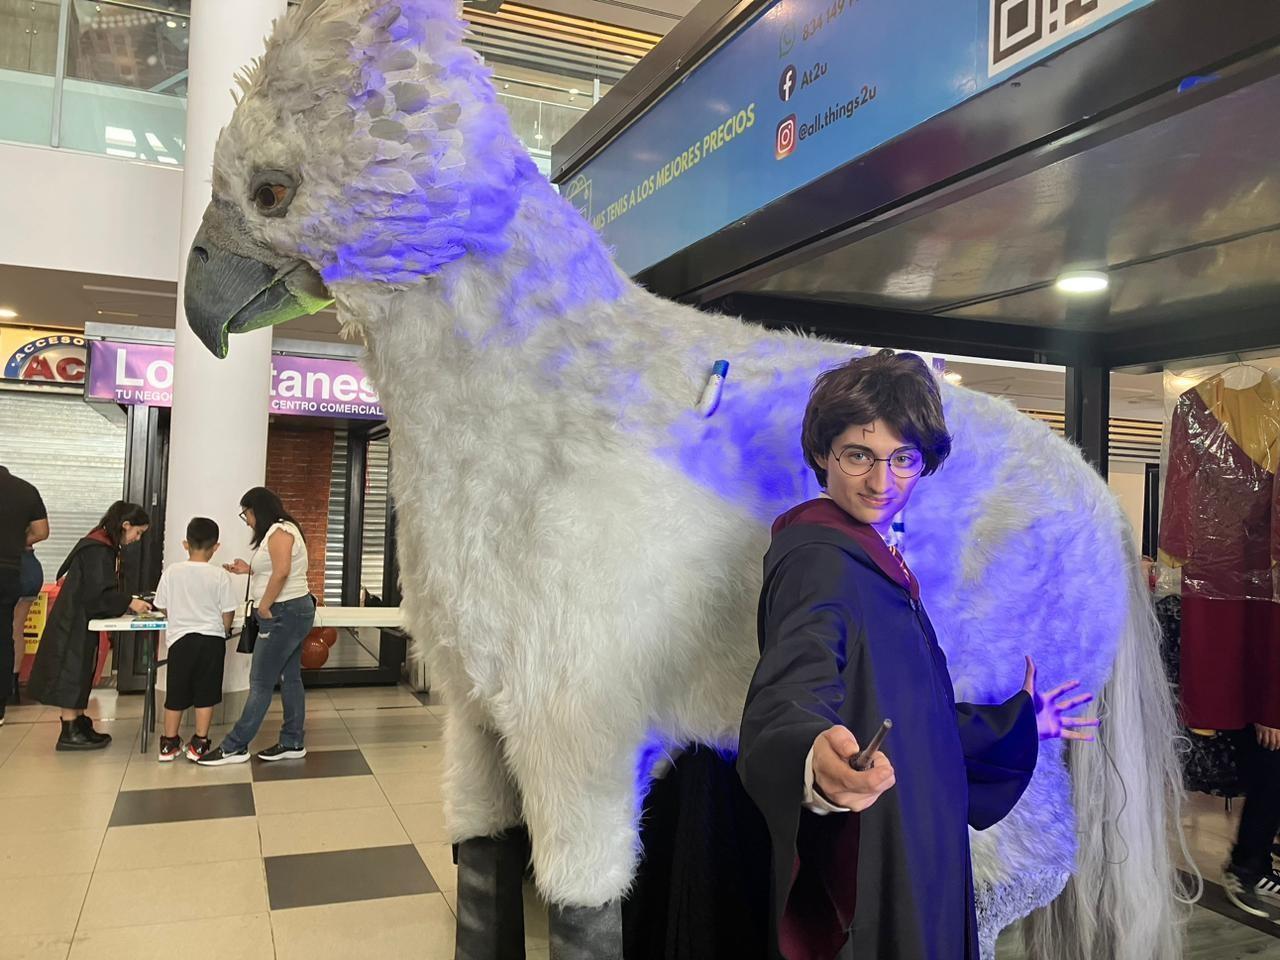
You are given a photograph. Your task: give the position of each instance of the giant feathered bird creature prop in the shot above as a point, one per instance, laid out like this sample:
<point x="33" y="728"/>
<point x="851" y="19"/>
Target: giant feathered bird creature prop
<point x="582" y="548"/>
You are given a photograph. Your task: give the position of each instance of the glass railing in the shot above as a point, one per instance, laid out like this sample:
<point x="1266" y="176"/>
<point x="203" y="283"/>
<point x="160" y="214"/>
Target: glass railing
<point x="110" y="78"/>
<point x="105" y="77"/>
<point x="539" y="123"/>
<point x="125" y="89"/>
<point x="28" y="63"/>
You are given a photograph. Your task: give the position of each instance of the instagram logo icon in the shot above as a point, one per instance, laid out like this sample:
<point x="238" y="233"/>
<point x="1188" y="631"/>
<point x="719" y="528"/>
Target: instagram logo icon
<point x="785" y="140"/>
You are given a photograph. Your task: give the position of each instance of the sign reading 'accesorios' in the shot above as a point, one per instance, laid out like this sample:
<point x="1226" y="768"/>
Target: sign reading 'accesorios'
<point x="141" y="374"/>
<point x="42" y="356"/>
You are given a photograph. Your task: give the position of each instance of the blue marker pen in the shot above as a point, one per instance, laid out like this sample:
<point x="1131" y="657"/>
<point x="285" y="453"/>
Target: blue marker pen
<point x="897" y="533"/>
<point x="710" y="398"/>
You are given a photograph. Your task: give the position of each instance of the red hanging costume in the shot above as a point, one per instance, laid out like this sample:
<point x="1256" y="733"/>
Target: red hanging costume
<point x="1221" y="525"/>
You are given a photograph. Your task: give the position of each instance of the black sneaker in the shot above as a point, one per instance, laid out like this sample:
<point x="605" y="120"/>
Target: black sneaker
<point x="217" y="758"/>
<point x="170" y="749"/>
<point x="198" y="747"/>
<point x="282" y="753"/>
<point x="1268" y="888"/>
<point x="1259" y="899"/>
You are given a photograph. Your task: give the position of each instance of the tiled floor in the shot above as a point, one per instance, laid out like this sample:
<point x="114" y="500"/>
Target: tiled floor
<point x="112" y="855"/>
<point x="1216" y="930"/>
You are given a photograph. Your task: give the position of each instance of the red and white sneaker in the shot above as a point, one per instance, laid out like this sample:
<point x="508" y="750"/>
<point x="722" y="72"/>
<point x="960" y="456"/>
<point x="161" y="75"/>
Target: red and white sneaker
<point x="198" y="747"/>
<point x="170" y="749"/>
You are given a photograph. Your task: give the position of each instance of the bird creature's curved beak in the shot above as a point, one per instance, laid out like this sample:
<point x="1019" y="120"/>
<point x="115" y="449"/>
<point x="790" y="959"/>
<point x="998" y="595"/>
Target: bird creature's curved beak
<point x="239" y="286"/>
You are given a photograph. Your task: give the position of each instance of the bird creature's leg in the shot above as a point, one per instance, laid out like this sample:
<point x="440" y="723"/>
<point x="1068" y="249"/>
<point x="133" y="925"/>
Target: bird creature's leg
<point x="580" y="800"/>
<point x="490" y="897"/>
<point x="586" y="933"/>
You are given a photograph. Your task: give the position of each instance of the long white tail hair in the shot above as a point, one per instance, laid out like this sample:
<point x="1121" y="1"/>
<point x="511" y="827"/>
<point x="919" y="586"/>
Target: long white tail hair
<point x="1125" y="901"/>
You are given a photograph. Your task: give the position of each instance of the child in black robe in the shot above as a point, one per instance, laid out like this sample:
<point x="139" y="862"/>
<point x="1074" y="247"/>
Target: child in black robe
<point x="874" y="863"/>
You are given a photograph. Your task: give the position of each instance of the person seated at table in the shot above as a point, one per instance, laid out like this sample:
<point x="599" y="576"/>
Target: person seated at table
<point x="199" y="600"/>
<point x="92" y="588"/>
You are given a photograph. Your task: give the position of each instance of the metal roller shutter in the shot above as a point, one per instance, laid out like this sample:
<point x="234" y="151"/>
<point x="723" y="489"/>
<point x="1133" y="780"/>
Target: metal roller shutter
<point x="376" y="507"/>
<point x="337" y="505"/>
<point x="377" y="500"/>
<point x="72" y="454"/>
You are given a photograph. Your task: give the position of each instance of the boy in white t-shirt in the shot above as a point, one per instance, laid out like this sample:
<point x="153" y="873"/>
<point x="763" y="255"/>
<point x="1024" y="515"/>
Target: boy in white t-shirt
<point x="199" y="600"/>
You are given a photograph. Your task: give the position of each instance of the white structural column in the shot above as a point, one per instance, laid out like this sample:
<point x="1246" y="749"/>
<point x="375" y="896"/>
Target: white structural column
<point x="218" y="441"/>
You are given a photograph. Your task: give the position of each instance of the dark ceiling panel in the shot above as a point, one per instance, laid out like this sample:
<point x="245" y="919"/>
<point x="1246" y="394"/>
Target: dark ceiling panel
<point x="1186" y="192"/>
<point x="1200" y="282"/>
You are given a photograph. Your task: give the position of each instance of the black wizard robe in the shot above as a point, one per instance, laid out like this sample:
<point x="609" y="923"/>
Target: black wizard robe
<point x="845" y="640"/>
<point x="62" y="675"/>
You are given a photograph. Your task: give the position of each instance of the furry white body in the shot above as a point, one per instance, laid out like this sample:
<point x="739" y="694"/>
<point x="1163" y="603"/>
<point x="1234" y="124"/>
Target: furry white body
<point x="582" y="550"/>
<point x="586" y="596"/>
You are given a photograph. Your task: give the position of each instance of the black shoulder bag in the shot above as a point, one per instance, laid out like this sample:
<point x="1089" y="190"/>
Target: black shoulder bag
<point x="248" y="629"/>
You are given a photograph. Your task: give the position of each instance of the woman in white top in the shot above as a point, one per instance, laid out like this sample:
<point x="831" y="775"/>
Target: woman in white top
<point x="285" y="611"/>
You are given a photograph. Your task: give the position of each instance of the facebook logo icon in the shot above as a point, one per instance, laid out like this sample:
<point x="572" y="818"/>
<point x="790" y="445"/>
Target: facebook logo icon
<point x="787" y="83"/>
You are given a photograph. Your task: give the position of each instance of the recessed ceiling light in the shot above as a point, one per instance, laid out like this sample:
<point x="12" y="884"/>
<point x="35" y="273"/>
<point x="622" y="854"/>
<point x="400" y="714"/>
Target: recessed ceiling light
<point x="7" y="313"/>
<point x="1083" y="281"/>
<point x="953" y="378"/>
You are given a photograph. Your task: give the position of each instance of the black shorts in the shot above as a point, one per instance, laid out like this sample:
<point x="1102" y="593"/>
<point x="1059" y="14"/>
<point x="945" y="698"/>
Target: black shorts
<point x="195" y="672"/>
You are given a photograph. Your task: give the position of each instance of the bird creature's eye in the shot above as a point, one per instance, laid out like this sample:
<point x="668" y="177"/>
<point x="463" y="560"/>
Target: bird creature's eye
<point x="269" y="195"/>
<point x="272" y="191"/>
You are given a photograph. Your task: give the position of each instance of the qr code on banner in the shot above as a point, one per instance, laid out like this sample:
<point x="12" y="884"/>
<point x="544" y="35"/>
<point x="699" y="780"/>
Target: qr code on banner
<point x="1022" y="28"/>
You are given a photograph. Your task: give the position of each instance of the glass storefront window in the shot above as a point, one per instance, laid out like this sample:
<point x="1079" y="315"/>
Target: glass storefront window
<point x="29" y="36"/>
<point x="542" y="105"/>
<point x="142" y="45"/>
<point x="538" y="123"/>
<point x="125" y="92"/>
<point x="120" y="88"/>
<point x="28" y="60"/>
<point x="549" y="67"/>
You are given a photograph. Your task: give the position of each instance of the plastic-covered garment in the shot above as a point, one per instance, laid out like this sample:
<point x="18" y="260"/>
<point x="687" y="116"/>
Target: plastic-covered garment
<point x="1220" y="531"/>
<point x="1220" y="522"/>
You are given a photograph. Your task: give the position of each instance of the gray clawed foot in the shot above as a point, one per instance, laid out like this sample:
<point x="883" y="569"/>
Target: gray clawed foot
<point x="490" y="897"/>
<point x="586" y="933"/>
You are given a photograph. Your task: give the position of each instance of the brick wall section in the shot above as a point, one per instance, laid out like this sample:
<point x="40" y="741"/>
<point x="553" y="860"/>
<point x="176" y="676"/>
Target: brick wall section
<point x="298" y="462"/>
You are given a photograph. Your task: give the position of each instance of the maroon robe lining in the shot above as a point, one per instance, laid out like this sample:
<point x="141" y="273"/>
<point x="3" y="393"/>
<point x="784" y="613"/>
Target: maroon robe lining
<point x="824" y="512"/>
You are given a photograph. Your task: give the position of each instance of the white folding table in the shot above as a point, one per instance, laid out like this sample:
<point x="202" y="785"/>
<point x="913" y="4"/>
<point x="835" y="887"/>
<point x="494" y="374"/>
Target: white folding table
<point x="353" y="617"/>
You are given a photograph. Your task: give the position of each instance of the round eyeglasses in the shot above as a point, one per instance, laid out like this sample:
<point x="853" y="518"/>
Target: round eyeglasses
<point x="858" y="462"/>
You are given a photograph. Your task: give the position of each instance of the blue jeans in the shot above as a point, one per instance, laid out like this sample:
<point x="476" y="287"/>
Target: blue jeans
<point x="276" y="656"/>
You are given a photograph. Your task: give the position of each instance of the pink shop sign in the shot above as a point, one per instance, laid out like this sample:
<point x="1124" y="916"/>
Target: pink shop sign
<point x="141" y="374"/>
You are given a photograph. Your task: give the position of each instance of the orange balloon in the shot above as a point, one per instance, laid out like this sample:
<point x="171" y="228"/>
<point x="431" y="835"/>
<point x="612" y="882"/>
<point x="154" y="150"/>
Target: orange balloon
<point x="314" y="653"/>
<point x="327" y="634"/>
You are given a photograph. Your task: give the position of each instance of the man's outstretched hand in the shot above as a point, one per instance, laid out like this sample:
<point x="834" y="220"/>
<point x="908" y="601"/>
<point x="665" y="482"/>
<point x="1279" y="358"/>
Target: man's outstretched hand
<point x="833" y="751"/>
<point x="1050" y="708"/>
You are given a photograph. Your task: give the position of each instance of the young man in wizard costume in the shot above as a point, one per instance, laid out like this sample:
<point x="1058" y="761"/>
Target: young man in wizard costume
<point x="874" y="863"/>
